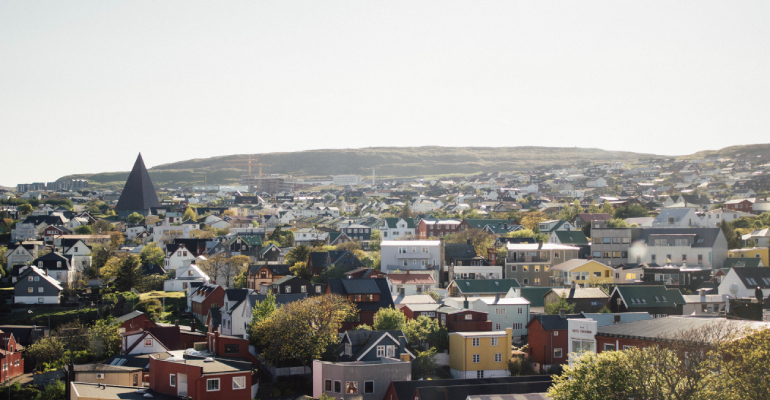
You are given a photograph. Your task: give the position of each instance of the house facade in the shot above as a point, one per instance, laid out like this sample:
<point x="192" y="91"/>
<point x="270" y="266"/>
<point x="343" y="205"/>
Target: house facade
<point x="530" y="263"/>
<point x="479" y="354"/>
<point x="34" y="286"/>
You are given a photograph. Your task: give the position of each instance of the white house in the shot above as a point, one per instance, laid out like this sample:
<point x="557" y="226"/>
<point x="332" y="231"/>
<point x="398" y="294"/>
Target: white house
<point x="81" y="255"/>
<point x="409" y="284"/>
<point x="177" y="257"/>
<point x="743" y="282"/>
<point x="184" y="276"/>
<point x="712" y="218"/>
<point x="676" y="218"/>
<point x="141" y="342"/>
<point x="398" y="228"/>
<point x="179" y="231"/>
<point x="20" y="255"/>
<point x="235" y="303"/>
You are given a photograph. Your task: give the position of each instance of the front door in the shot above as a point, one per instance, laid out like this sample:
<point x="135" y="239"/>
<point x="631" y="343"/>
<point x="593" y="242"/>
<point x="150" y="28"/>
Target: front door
<point x="181" y="384"/>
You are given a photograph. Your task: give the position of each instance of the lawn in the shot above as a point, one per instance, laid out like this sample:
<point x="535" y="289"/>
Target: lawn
<point x="176" y="302"/>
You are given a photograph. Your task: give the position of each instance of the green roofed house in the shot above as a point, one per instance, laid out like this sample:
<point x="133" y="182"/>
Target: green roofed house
<point x="534" y="294"/>
<point x="570" y="238"/>
<point x="493" y="226"/>
<point x="742" y="262"/>
<point x="654" y="299"/>
<point x="484" y="287"/>
<point x="245" y="245"/>
<point x="398" y="228"/>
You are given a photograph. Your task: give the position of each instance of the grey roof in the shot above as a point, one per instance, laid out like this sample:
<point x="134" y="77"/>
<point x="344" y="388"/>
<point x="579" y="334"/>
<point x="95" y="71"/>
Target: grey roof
<point x="114" y="392"/>
<point x="131" y="315"/>
<point x="360" y="286"/>
<point x="552" y="322"/>
<point x="459" y="251"/>
<point x="138" y="192"/>
<point x="676" y="213"/>
<point x="405" y="389"/>
<point x="753" y="277"/>
<point x="665" y="328"/>
<point x="604" y="319"/>
<point x="463" y="392"/>
<point x="704" y="237"/>
<point x="580" y="293"/>
<point x="103" y="368"/>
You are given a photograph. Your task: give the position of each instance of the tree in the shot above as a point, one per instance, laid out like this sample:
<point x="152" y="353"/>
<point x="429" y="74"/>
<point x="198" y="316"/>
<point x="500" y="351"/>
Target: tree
<point x="631" y="211"/>
<point x="388" y="319"/>
<point x="55" y="390"/>
<point x="745" y="368"/>
<point x="102" y="226"/>
<point x="297" y="254"/>
<point x="116" y="239"/>
<point x="234" y="266"/>
<point x="733" y="240"/>
<point x="152" y="307"/>
<point x="189" y="213"/>
<point x="553" y="308"/>
<point x="350" y="246"/>
<point x="594" y="376"/>
<point x="84" y="230"/>
<point x="375" y="239"/>
<point x="228" y="213"/>
<point x="130" y="274"/>
<point x="135" y="218"/>
<point x="112" y="266"/>
<point x="24" y="208"/>
<point x="301" y="270"/>
<point x="607" y="208"/>
<point x="303" y="329"/>
<point x="152" y="254"/>
<point x="262" y="310"/>
<point x="104" y="338"/>
<point x="521" y="233"/>
<point x="213" y="266"/>
<point x="480" y="240"/>
<point x="594" y="208"/>
<point x="406" y="212"/>
<point x="420" y="329"/>
<point x="532" y="219"/>
<point x="425" y="363"/>
<point x="617" y="223"/>
<point x="434" y="295"/>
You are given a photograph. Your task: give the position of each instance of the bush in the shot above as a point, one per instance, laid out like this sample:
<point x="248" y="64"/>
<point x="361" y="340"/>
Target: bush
<point x="520" y="366"/>
<point x="151" y="307"/>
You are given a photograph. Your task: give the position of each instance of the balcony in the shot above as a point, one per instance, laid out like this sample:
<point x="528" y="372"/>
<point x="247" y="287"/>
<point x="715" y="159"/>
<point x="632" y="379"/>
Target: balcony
<point x="470" y="326"/>
<point x="410" y="267"/>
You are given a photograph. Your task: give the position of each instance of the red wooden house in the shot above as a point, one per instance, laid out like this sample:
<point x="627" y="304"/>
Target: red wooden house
<point x="206" y="297"/>
<point x="10" y="357"/>
<point x="202" y="379"/>
<point x="548" y="339"/>
<point x="135" y="320"/>
<point x="463" y="320"/>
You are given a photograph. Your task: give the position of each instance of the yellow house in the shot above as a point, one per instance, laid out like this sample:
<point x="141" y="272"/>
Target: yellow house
<point x="480" y="354"/>
<point x="580" y="271"/>
<point x="151" y="220"/>
<point x="754" y="252"/>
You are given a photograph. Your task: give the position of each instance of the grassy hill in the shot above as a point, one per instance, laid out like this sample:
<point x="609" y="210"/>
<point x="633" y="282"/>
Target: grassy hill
<point x="428" y="161"/>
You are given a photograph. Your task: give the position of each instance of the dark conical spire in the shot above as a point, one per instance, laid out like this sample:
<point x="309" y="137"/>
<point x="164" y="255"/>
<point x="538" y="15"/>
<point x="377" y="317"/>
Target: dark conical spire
<point x="138" y="193"/>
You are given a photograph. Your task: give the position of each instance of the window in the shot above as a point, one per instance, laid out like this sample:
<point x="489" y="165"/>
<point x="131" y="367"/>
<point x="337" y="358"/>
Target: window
<point x="653" y="258"/>
<point x="497" y="326"/>
<point x="380" y="351"/>
<point x="328" y="385"/>
<point x="609" y="347"/>
<point x="537" y="268"/>
<point x="597" y="254"/>
<point x="239" y="382"/>
<point x="606" y="254"/>
<point x="348" y="349"/>
<point x="493" y="341"/>
<point x="337" y="387"/>
<point x="30" y="290"/>
<point x="40" y="289"/>
<point x="498" y="357"/>
<point x="616" y="240"/>
<point x="597" y="274"/>
<point x="700" y="258"/>
<point x="606" y="240"/>
<point x="148" y="343"/>
<point x="475" y="342"/>
<point x="513" y="268"/>
<point x="476" y="358"/>
<point x="525" y="268"/>
<point x="499" y="311"/>
<point x="684" y="257"/>
<point x="518" y="325"/>
<point x="628" y="347"/>
<point x="391" y="351"/>
<point x="556" y="333"/>
<point x="212" y="385"/>
<point x="351" y="387"/>
<point x="288" y="289"/>
<point x="40" y="300"/>
<point x="468" y="316"/>
<point x="557" y="353"/>
<point x="303" y="289"/>
<point x="172" y="380"/>
<point x="615" y="254"/>
<point x="31" y="279"/>
<point x="368" y="387"/>
<point x="626" y="240"/>
<point x="318" y="289"/>
<point x="526" y="281"/>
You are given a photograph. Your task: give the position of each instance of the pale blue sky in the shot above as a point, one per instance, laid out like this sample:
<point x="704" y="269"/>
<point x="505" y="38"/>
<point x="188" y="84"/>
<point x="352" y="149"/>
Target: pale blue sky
<point x="85" y="85"/>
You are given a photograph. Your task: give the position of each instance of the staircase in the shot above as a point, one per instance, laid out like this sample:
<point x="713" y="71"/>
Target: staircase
<point x="265" y="390"/>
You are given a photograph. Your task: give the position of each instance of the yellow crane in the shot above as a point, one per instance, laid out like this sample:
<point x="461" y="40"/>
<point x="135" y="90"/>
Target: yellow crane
<point x="249" y="163"/>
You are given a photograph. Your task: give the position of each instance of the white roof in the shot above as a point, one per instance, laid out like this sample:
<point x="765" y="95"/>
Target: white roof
<point x="537" y="247"/>
<point x="396" y="243"/>
<point x="480" y="334"/>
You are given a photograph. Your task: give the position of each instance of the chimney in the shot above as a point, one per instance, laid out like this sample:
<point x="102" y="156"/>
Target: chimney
<point x="617" y="318"/>
<point x="497" y="297"/>
<point x="465" y="303"/>
<point x="572" y="290"/>
<point x="401" y="345"/>
<point x="192" y="325"/>
<point x="176" y="322"/>
<point x="562" y="313"/>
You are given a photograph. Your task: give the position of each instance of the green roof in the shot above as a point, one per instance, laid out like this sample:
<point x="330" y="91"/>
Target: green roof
<point x="534" y="294"/>
<point x="251" y="240"/>
<point x="640" y="296"/>
<point x="490" y="286"/>
<point x="572" y="237"/>
<point x="731" y="262"/>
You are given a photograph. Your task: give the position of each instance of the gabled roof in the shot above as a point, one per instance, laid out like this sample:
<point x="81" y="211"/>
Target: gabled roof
<point x="587" y="217"/>
<point x="401" y="279"/>
<point x="37" y="271"/>
<point x="580" y="293"/>
<point x="129" y="316"/>
<point x="138" y="192"/>
<point x="576" y="263"/>
<point x="552" y="322"/>
<point x="643" y="296"/>
<point x="336" y="286"/>
<point x="391" y="222"/>
<point x="704" y="237"/>
<point x="572" y="237"/>
<point x="753" y="277"/>
<point x="731" y="262"/>
<point x="459" y="251"/>
<point x="251" y="240"/>
<point x="486" y="286"/>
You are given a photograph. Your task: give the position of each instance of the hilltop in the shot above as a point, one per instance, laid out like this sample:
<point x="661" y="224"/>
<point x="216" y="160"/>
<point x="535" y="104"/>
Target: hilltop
<point x="428" y="161"/>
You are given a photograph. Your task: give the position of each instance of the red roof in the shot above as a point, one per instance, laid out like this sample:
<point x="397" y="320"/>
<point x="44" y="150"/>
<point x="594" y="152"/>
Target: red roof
<point x="401" y="279"/>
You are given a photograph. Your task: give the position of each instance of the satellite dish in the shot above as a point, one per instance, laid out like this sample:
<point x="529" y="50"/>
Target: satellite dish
<point x="733" y="289"/>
